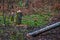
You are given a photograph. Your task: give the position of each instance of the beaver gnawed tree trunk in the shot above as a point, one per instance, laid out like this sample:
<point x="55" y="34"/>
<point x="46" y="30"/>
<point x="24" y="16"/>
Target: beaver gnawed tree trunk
<point x="19" y="17"/>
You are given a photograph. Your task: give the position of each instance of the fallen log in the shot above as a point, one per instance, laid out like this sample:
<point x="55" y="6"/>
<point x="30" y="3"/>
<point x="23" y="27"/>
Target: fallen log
<point x="35" y="33"/>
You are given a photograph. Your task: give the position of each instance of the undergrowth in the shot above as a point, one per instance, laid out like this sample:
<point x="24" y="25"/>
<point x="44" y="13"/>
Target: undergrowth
<point x="30" y="20"/>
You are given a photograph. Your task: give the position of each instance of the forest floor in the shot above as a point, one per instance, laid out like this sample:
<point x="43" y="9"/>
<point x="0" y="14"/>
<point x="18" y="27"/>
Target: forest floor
<point x="53" y="34"/>
<point x="19" y="33"/>
<point x="14" y="32"/>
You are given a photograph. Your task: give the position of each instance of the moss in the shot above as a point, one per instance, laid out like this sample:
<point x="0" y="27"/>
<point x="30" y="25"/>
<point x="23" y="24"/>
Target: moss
<point x="17" y="36"/>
